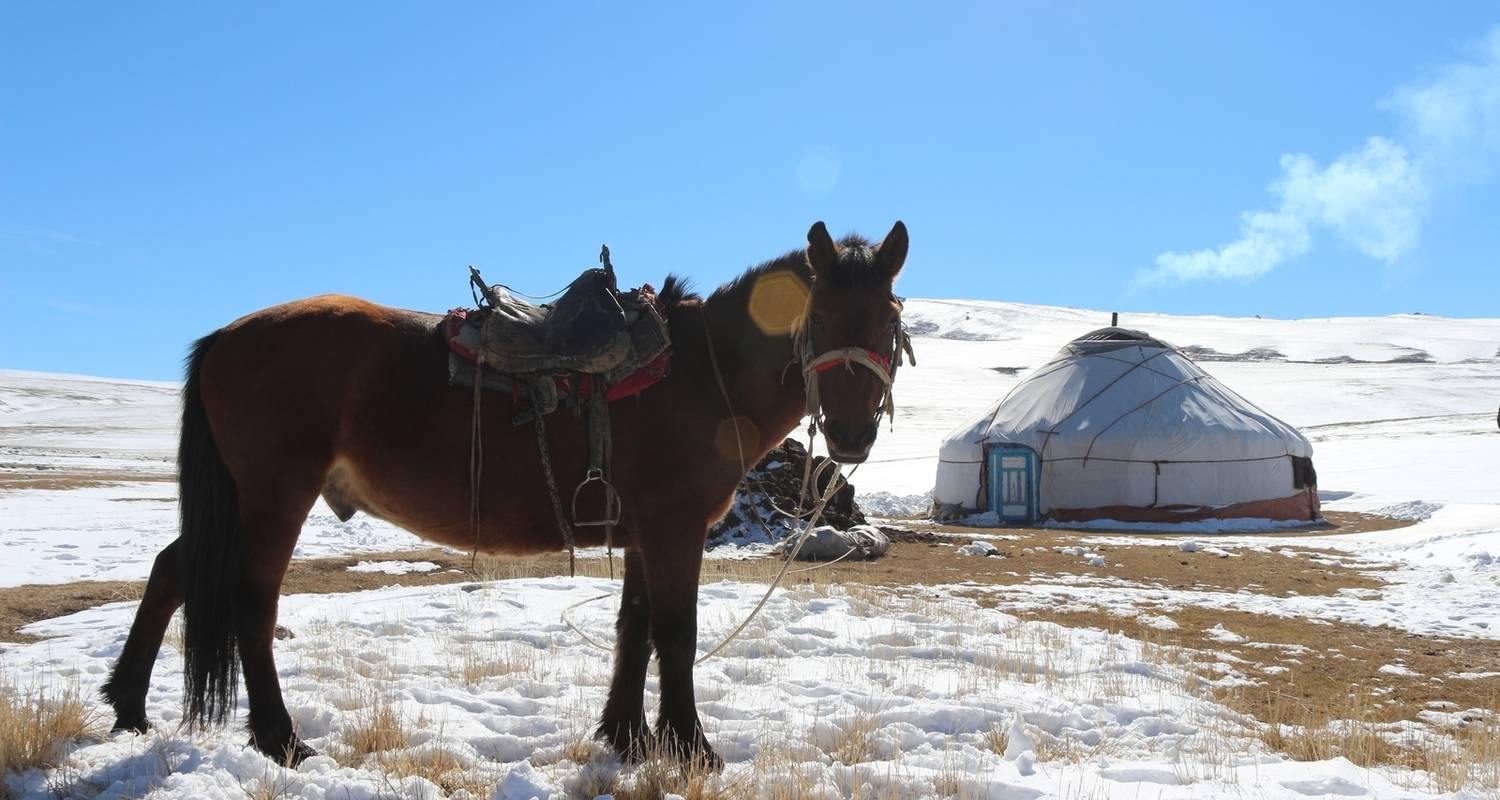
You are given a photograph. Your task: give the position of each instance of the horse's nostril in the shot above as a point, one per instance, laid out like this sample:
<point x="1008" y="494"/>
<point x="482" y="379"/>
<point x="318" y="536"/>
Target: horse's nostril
<point x="852" y="437"/>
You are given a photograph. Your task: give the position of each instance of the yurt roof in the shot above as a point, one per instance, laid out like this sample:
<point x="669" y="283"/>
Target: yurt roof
<point x="1124" y="337"/>
<point x="1122" y="394"/>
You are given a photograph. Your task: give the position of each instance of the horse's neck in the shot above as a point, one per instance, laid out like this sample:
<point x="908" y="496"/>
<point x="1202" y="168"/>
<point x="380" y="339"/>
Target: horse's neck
<point x="757" y="370"/>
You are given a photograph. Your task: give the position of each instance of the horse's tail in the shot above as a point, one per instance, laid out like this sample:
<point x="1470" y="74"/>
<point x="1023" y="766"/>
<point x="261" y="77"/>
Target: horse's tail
<point x="211" y="558"/>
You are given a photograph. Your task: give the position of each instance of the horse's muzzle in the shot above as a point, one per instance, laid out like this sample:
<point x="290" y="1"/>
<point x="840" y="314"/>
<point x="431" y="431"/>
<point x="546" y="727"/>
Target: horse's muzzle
<point x="850" y="443"/>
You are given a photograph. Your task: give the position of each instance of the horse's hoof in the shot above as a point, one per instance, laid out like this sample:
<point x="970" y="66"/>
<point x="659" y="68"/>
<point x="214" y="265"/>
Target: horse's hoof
<point x="694" y="752"/>
<point x="629" y="741"/>
<point x="291" y="752"/>
<point x="138" y="726"/>
<point x="705" y="757"/>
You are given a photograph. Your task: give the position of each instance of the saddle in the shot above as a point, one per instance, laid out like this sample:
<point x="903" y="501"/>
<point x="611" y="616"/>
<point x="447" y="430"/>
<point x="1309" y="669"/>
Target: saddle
<point x="585" y="331"/>
<point x="554" y="353"/>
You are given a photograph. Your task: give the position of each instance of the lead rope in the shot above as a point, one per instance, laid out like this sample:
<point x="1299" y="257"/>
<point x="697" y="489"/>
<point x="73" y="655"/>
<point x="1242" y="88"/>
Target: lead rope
<point x="821" y="500"/>
<point x="801" y="343"/>
<point x="812" y="522"/>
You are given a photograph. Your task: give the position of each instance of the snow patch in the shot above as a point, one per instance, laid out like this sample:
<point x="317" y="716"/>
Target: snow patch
<point x="979" y="549"/>
<point x="394" y="567"/>
<point x="1219" y="633"/>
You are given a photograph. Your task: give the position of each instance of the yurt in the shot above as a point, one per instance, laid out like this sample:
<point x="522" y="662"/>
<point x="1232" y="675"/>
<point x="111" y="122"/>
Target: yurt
<point x="1123" y="426"/>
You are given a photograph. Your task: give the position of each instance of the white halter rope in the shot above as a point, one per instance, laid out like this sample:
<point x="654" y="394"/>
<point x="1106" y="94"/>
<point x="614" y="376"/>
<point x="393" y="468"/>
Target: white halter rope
<point x="812" y="365"/>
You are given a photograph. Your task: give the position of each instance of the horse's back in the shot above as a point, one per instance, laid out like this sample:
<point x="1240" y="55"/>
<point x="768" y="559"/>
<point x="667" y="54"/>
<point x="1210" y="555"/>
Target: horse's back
<point x="336" y="311"/>
<point x="287" y="385"/>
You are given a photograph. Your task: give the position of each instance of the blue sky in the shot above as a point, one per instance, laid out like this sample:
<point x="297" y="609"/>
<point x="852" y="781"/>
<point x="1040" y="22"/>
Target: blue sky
<point x="165" y="168"/>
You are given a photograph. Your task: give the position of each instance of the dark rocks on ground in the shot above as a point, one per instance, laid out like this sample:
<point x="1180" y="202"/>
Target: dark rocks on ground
<point x="773" y="486"/>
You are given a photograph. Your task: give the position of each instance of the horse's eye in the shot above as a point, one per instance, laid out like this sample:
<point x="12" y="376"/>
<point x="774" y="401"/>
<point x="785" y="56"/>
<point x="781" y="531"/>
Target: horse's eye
<point x="817" y="321"/>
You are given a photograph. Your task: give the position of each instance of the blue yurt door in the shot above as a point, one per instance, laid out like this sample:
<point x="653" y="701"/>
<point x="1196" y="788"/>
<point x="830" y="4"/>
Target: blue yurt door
<point x="1014" y="473"/>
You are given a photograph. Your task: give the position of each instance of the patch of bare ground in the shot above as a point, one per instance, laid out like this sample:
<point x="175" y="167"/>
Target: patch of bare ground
<point x="1317" y="664"/>
<point x="60" y="481"/>
<point x="1375" y="695"/>
<point x="1307" y="571"/>
<point x="23" y="605"/>
<point x="922" y="558"/>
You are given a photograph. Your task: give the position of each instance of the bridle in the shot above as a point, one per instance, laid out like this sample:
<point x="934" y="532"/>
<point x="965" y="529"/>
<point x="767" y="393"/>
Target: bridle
<point x="812" y="363"/>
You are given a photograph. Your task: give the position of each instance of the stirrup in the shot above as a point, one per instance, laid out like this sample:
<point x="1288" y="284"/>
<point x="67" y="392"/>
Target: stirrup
<point x="612" y="509"/>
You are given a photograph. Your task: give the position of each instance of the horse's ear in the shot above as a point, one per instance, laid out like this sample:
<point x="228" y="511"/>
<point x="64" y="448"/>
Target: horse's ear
<point x="891" y="254"/>
<point x="822" y="253"/>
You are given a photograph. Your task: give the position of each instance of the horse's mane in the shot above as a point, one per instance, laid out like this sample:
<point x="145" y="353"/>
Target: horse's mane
<point x="677" y="290"/>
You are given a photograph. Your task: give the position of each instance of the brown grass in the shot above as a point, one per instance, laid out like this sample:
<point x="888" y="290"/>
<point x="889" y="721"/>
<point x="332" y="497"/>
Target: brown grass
<point x="440" y="765"/>
<point x="476" y="662"/>
<point x="377" y="726"/>
<point x="997" y="739"/>
<point x="663" y="772"/>
<point x="1320" y="664"/>
<point x="23" y="605"/>
<point x="1466" y="756"/>
<point x="37" y="725"/>
<point x="61" y="481"/>
<point x="854" y="741"/>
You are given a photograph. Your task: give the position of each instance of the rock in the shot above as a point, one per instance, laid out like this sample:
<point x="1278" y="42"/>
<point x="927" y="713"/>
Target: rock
<point x="773" y="486"/>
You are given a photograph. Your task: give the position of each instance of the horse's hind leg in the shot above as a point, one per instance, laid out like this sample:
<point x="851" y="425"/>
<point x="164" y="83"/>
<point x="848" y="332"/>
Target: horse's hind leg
<point x="623" y="724"/>
<point x="269" y="540"/>
<point x="126" y="688"/>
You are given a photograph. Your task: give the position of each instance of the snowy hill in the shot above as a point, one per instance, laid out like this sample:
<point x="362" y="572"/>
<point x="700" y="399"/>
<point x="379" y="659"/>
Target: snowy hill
<point x="85" y="424"/>
<point x="1394" y="377"/>
<point x="1360" y="387"/>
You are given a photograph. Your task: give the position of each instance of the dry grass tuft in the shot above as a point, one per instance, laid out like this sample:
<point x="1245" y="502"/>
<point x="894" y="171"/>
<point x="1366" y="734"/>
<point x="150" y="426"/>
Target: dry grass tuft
<point x="1309" y="733"/>
<point x="854" y="742"/>
<point x="1453" y="759"/>
<point x="376" y="728"/>
<point x="663" y="772"/>
<point x="440" y="765"/>
<point x="275" y="783"/>
<point x="37" y="726"/>
<point x="1070" y="749"/>
<point x="1468" y="759"/>
<point x="997" y="739"/>
<point x="475" y="662"/>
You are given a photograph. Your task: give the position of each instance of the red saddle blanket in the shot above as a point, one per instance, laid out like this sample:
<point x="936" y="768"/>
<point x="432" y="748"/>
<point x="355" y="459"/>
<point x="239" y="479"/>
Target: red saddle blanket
<point x="459" y="330"/>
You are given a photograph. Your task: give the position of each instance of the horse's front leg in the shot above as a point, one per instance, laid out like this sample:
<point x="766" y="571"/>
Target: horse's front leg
<point x="673" y="555"/>
<point x="624" y="722"/>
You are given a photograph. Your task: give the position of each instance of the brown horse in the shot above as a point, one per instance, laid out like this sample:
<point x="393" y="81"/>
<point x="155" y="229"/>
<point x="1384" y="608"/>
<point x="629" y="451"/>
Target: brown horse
<point x="339" y="397"/>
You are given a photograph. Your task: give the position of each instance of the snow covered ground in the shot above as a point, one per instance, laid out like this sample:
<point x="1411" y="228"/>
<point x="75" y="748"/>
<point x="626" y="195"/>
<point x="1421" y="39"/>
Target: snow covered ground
<point x="829" y="694"/>
<point x="1401" y="411"/>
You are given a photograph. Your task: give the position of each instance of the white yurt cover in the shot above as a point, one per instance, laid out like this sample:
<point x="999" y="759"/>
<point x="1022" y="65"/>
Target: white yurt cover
<point x="1128" y="427"/>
